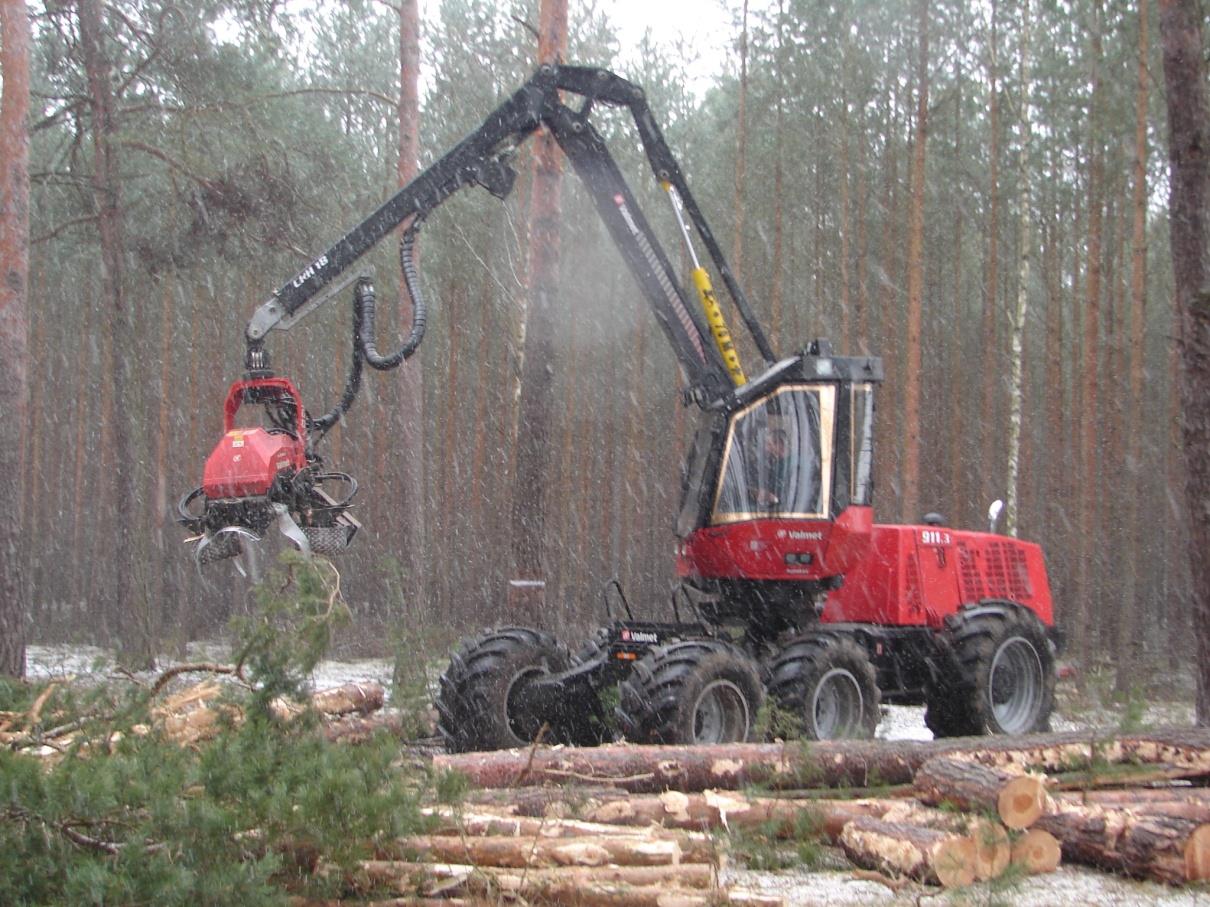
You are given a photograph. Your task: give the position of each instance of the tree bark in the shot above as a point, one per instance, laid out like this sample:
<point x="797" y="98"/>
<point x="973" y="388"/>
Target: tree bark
<point x="526" y="594"/>
<point x="518" y="852"/>
<point x="741" y="150"/>
<point x="911" y="378"/>
<point x="1171" y="849"/>
<point x="14" y="324"/>
<point x="1082" y="632"/>
<point x="897" y="848"/>
<point x="991" y="359"/>
<point x="565" y="885"/>
<point x="716" y="809"/>
<point x="411" y="517"/>
<point x="106" y="192"/>
<point x="840" y="763"/>
<point x="1017" y="799"/>
<point x="1189" y="160"/>
<point x="1024" y="240"/>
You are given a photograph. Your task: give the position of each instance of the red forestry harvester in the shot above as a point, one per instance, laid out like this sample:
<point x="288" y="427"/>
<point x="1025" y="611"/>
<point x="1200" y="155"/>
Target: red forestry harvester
<point x="788" y="589"/>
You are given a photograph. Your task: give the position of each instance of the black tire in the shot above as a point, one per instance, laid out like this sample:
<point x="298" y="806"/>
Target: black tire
<point x="827" y="684"/>
<point x="476" y="700"/>
<point x="695" y="691"/>
<point x="995" y="673"/>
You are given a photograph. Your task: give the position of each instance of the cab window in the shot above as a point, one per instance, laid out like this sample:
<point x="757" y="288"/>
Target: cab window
<point x="778" y="456"/>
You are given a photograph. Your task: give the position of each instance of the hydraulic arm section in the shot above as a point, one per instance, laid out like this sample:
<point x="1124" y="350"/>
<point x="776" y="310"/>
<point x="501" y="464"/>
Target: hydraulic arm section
<point x="260" y="476"/>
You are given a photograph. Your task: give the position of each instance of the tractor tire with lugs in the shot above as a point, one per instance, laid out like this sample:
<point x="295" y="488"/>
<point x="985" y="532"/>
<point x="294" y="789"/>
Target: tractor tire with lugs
<point x="477" y="703"/>
<point x="827" y="685"/>
<point x="995" y="673"/>
<point x="694" y="691"/>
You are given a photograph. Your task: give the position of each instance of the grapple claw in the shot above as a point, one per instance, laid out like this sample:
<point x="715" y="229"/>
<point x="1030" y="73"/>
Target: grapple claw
<point x="225" y="543"/>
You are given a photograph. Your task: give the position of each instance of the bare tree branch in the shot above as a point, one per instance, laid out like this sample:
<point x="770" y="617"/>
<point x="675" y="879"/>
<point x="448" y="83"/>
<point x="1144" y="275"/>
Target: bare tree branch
<point x="162" y="155"/>
<point x="66" y="225"/>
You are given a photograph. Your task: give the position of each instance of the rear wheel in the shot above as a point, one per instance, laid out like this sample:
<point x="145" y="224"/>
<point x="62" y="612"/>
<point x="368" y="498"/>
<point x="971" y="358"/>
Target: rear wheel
<point x="827" y="685"/>
<point x="995" y="673"/>
<point x="697" y="691"/>
<point x="479" y="705"/>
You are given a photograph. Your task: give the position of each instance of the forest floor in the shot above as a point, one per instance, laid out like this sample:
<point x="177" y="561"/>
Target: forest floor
<point x="829" y="879"/>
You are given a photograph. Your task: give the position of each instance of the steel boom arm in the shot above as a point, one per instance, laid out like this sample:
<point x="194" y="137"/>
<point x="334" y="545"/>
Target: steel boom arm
<point x="483" y="158"/>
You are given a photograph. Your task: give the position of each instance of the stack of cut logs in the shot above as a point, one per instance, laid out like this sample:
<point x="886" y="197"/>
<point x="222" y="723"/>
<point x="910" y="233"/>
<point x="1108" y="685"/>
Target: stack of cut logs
<point x="947" y="812"/>
<point x="636" y="825"/>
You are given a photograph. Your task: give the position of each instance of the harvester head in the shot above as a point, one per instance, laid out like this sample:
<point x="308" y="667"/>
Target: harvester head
<point x="259" y="477"/>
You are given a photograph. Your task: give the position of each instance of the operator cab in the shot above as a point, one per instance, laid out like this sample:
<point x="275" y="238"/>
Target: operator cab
<point x="777" y="497"/>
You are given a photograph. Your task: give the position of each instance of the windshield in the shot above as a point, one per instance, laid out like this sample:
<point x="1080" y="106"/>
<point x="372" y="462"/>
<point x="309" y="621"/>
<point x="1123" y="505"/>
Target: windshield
<point x="778" y="459"/>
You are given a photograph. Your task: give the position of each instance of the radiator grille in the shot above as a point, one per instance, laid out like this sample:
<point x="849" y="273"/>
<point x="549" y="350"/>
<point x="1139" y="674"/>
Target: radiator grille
<point x="972" y="582"/>
<point x="1007" y="576"/>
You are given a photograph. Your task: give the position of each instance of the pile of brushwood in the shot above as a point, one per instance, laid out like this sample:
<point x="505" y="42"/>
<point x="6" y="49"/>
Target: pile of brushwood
<point x="240" y="789"/>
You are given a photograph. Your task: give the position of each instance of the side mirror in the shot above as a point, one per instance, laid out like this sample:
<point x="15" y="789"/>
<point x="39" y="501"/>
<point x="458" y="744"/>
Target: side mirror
<point x="993" y="514"/>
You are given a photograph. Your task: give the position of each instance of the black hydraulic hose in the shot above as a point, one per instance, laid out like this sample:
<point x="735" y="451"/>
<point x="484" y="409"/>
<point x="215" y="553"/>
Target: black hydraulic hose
<point x="364" y="349"/>
<point x="319" y="427"/>
<point x="364" y="295"/>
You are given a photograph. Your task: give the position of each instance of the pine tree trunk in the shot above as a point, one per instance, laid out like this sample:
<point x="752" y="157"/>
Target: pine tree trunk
<point x="526" y="598"/>
<point x="14" y="323"/>
<point x="741" y="151"/>
<point x="1189" y="157"/>
<point x="1130" y="647"/>
<point x="911" y="380"/>
<point x="410" y="517"/>
<point x="1017" y="346"/>
<point x="1089" y="543"/>
<point x="990" y="357"/>
<point x="120" y="529"/>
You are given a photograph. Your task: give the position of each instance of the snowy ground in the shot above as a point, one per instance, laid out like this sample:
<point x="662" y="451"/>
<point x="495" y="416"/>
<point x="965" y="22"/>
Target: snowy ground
<point x="799" y="887"/>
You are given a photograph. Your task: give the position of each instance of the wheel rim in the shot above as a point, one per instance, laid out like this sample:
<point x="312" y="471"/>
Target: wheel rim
<point x="522" y="729"/>
<point x="1015" y="686"/>
<point x="720" y="714"/>
<point x="838" y="705"/>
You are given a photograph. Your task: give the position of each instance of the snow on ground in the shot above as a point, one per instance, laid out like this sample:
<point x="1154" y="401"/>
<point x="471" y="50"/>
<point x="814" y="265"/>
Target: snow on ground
<point x="1071" y="885"/>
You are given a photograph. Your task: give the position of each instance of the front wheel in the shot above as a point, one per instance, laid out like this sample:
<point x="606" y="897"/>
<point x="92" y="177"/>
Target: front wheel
<point x="479" y="703"/>
<point x="827" y="685"/>
<point x="697" y="691"/>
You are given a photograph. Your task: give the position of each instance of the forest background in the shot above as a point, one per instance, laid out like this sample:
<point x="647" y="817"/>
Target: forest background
<point x="244" y="137"/>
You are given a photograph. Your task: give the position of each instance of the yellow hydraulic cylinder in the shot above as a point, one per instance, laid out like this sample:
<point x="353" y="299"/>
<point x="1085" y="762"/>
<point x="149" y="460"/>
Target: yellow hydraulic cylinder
<point x="718" y="325"/>
<point x="705" y="294"/>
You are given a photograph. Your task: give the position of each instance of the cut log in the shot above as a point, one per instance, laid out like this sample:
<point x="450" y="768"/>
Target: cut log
<point x="356" y="728"/>
<point x="695" y="847"/>
<point x="728" y="809"/>
<point x="362" y="698"/>
<point x="1017" y="799"/>
<point x="1036" y="852"/>
<point x="555" y="801"/>
<point x="993" y="849"/>
<point x="686" y="875"/>
<point x="898" y="849"/>
<point x="1137" y="797"/>
<point x="598" y="850"/>
<point x="650" y="769"/>
<point x="636" y="886"/>
<point x="453" y="822"/>
<point x="1164" y="848"/>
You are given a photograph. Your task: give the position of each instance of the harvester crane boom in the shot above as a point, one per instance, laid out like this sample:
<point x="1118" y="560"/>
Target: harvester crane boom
<point x="483" y="158"/>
